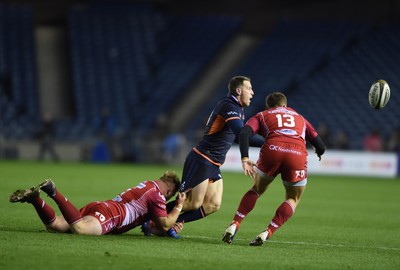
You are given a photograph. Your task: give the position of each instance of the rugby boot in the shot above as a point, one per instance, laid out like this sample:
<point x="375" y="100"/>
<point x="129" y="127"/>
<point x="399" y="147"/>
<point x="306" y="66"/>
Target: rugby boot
<point x="261" y="238"/>
<point x="48" y="187"/>
<point x="230" y="232"/>
<point x="24" y="195"/>
<point x="172" y="233"/>
<point x="145" y="228"/>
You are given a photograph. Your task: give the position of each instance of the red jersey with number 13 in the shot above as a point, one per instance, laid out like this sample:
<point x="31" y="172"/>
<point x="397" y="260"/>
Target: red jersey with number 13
<point x="283" y="124"/>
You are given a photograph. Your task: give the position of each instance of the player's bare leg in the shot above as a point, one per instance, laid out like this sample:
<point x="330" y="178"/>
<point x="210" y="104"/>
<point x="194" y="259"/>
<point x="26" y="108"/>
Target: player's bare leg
<point x="261" y="182"/>
<point x="293" y="194"/>
<point x="195" y="197"/>
<point x="87" y="225"/>
<point x="201" y="201"/>
<point x="213" y="198"/>
<point x="192" y="208"/>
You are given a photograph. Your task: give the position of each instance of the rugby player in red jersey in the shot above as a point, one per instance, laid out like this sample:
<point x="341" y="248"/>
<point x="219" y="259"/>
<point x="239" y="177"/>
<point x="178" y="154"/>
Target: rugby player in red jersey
<point x="131" y="208"/>
<point x="284" y="152"/>
<point x="201" y="177"/>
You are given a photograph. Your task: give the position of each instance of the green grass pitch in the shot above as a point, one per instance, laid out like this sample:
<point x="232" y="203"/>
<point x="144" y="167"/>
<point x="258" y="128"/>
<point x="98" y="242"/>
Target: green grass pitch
<point x="341" y="223"/>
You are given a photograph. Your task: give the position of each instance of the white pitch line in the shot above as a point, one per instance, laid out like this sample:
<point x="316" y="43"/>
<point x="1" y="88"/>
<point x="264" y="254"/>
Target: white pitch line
<point x="304" y="243"/>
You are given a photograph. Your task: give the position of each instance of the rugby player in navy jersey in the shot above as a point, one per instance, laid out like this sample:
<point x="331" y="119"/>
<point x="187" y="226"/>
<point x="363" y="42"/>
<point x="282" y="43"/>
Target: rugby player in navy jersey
<point x="201" y="177"/>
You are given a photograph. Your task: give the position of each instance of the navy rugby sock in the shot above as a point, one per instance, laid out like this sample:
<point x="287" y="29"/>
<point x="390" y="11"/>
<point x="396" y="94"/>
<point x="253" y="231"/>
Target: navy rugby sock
<point x="187" y="216"/>
<point x="192" y="215"/>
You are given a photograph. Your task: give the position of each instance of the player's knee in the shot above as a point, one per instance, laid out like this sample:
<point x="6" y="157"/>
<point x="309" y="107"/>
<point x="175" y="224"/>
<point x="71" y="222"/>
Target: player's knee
<point x="294" y="202"/>
<point x="57" y="225"/>
<point x="193" y="205"/>
<point x="211" y="207"/>
<point x="78" y="229"/>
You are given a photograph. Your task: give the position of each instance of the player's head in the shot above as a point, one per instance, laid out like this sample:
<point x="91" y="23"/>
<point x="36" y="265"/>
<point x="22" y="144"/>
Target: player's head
<point x="171" y="179"/>
<point x="276" y="99"/>
<point x="240" y="87"/>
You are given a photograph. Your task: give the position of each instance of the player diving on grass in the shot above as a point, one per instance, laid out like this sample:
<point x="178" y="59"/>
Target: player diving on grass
<point x="284" y="152"/>
<point x="201" y="177"/>
<point x="146" y="201"/>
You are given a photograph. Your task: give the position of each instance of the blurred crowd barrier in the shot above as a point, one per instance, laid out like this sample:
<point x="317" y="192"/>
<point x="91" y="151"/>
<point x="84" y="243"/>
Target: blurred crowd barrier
<point x="334" y="162"/>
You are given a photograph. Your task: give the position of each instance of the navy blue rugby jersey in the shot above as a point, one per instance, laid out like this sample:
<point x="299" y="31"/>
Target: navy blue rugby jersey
<point x="219" y="136"/>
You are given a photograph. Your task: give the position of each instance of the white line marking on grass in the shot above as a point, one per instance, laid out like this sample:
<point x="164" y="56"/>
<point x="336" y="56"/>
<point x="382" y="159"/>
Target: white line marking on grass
<point x="303" y="243"/>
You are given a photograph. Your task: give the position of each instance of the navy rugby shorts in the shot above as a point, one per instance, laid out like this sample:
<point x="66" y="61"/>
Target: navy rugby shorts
<point x="197" y="169"/>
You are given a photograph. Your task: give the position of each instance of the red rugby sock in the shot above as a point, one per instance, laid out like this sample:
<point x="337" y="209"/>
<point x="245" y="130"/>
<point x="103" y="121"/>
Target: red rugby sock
<point x="246" y="205"/>
<point x="45" y="212"/>
<point x="283" y="213"/>
<point x="68" y="210"/>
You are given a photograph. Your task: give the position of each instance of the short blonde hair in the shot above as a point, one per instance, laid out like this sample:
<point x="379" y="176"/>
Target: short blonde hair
<point x="171" y="178"/>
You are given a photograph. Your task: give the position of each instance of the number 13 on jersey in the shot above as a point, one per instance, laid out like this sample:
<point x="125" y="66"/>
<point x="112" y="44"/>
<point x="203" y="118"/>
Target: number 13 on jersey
<point x="285" y="120"/>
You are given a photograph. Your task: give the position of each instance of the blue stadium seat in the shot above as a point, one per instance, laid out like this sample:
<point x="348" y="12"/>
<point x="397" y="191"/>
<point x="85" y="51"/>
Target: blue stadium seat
<point x="18" y="71"/>
<point x="127" y="58"/>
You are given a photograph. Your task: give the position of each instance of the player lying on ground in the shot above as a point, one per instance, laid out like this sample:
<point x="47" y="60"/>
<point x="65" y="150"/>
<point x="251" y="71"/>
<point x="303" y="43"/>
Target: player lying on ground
<point x="131" y="208"/>
<point x="284" y="152"/>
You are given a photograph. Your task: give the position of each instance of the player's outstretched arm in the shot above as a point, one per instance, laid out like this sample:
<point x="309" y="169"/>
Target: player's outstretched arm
<point x="167" y="222"/>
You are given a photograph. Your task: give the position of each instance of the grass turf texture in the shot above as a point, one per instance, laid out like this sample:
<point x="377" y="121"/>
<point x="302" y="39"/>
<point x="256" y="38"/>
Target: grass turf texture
<point x="341" y="223"/>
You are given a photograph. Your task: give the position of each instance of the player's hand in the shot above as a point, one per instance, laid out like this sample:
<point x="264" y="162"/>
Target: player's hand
<point x="318" y="155"/>
<point x="178" y="226"/>
<point x="249" y="168"/>
<point x="181" y="198"/>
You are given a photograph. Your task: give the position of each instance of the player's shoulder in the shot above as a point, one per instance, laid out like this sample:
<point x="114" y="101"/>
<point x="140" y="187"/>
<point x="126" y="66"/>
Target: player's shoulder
<point x="292" y="109"/>
<point x="145" y="183"/>
<point x="156" y="192"/>
<point x="147" y="187"/>
<point x="228" y="104"/>
<point x="229" y="100"/>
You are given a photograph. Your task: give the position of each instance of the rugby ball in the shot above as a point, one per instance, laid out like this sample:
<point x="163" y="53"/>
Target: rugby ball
<point x="379" y="94"/>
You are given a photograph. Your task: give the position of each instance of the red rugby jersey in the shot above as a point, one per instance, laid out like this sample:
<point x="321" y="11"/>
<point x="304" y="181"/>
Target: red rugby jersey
<point x="283" y="124"/>
<point x="138" y="204"/>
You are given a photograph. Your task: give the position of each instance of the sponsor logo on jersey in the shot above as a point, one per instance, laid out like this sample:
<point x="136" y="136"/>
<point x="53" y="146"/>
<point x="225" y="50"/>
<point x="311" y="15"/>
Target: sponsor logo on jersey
<point x="282" y="149"/>
<point x="290" y="132"/>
